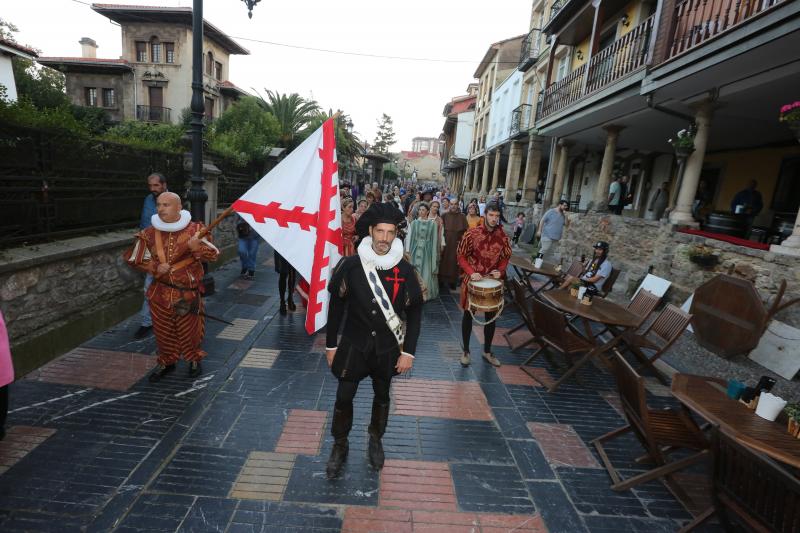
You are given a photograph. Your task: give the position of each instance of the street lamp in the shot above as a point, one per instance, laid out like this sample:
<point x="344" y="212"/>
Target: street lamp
<point x="197" y="194"/>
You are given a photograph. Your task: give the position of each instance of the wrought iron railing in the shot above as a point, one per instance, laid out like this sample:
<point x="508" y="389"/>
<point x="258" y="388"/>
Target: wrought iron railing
<point x="530" y="50"/>
<point x="149" y="113"/>
<point x="557" y="6"/>
<point x="54" y="184"/>
<point x="697" y="21"/>
<point x="624" y="56"/>
<point x="235" y="181"/>
<point x="520" y="119"/>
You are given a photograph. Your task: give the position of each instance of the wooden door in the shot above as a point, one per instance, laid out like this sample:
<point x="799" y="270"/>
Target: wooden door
<point x="156" y="99"/>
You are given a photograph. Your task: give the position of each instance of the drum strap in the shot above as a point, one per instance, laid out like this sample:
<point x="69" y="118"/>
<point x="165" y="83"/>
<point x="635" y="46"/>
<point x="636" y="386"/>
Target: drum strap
<point x="374" y="282"/>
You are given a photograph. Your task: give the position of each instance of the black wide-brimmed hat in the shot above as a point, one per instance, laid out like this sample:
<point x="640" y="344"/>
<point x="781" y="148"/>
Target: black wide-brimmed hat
<point x="378" y="214"/>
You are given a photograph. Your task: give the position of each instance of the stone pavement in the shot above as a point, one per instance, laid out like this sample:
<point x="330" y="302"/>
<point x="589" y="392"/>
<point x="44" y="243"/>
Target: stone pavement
<point x="93" y="446"/>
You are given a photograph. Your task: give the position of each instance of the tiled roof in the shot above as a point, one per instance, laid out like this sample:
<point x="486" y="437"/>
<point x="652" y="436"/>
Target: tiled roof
<point x="96" y="62"/>
<point x="18" y="47"/>
<point x="460" y="106"/>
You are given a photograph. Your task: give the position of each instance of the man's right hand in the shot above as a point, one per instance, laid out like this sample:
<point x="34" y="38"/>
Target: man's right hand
<point x="476" y="277"/>
<point x="329" y="355"/>
<point x="163" y="268"/>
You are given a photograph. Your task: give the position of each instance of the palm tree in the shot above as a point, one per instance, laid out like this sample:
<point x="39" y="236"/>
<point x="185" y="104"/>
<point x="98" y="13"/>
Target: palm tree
<point x="294" y="114"/>
<point x="348" y="145"/>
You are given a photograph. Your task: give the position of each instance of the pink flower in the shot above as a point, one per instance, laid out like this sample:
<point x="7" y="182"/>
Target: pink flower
<point x="786" y="108"/>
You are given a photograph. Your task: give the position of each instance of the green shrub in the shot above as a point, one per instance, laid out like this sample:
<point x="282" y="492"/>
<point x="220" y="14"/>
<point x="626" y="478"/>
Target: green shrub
<point x="164" y="137"/>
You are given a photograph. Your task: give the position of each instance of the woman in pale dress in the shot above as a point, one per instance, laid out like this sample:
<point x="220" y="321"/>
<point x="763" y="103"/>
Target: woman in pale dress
<point x="423" y="245"/>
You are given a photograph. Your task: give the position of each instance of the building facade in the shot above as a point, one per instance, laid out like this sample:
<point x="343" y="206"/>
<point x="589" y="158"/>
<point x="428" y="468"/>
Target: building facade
<point x="151" y="81"/>
<point x="426" y="144"/>
<point x="456" y="138"/>
<point x="8" y="50"/>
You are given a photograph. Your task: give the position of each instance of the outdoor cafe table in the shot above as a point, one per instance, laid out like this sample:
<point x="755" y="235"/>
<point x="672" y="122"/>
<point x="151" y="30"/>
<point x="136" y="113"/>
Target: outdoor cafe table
<point x="525" y="269"/>
<point x="706" y="396"/>
<point x="603" y="311"/>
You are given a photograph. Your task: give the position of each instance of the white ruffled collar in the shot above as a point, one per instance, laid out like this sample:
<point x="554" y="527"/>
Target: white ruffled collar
<point x="381" y="262"/>
<point x="172" y="226"/>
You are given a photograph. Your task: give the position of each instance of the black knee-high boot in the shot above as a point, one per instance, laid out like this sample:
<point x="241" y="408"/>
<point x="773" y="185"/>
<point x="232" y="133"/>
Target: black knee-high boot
<point x="377" y="427"/>
<point x="340" y="429"/>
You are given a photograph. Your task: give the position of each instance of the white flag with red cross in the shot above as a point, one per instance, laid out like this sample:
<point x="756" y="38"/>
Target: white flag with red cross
<point x="295" y="208"/>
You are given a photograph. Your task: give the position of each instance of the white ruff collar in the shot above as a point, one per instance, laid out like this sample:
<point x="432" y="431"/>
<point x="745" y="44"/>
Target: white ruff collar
<point x="172" y="226"/>
<point x="381" y="262"/>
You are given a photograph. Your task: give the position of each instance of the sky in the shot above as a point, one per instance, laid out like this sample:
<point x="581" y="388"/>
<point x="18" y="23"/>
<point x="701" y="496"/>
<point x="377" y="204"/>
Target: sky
<point x="413" y="93"/>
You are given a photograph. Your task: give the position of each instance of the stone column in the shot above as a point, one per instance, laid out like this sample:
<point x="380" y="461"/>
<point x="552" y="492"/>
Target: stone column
<point x="468" y="177"/>
<point x="790" y="246"/>
<point x="496" y="172"/>
<point x="600" y="196"/>
<point x="532" y="170"/>
<point x="682" y="214"/>
<point x="561" y="170"/>
<point x="512" y="172"/>
<point x="547" y="199"/>
<point x="485" y="180"/>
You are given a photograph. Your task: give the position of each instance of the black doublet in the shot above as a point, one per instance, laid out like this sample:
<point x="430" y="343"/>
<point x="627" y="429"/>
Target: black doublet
<point x="368" y="346"/>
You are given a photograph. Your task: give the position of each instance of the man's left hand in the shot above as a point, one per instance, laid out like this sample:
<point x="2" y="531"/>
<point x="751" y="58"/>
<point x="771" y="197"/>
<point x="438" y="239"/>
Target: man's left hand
<point x="495" y="274"/>
<point x="404" y="363"/>
<point x="194" y="243"/>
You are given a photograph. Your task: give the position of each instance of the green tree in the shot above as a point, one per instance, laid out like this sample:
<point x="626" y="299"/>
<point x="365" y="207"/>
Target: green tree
<point x="294" y="113"/>
<point x="7" y="30"/>
<point x="45" y="87"/>
<point x="385" y="137"/>
<point x="245" y="132"/>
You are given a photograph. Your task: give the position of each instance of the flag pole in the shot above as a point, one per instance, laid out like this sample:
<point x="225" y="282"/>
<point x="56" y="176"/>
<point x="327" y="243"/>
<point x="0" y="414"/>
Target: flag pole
<point x="205" y="231"/>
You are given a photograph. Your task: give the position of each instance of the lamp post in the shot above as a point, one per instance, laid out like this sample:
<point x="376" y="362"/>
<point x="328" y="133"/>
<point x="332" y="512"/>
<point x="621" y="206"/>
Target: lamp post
<point x="197" y="194"/>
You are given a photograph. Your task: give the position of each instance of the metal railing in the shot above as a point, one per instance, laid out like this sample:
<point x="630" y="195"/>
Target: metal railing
<point x="520" y="119"/>
<point x="530" y="50"/>
<point x="697" y="21"/>
<point x="149" y="113"/>
<point x="624" y="56"/>
<point x="557" y="6"/>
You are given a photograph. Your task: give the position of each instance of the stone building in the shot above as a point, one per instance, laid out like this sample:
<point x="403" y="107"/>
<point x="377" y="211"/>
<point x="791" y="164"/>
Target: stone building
<point x="426" y="144"/>
<point x="151" y="80"/>
<point x="456" y="137"/>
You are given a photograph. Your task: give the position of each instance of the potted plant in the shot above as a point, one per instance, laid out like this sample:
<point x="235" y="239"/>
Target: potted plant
<point x="573" y="288"/>
<point x="683" y="142"/>
<point x="702" y="256"/>
<point x="790" y="115"/>
<point x="793" y="413"/>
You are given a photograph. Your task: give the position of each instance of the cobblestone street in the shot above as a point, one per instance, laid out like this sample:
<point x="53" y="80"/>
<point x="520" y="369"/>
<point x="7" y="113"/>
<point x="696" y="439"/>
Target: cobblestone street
<point x="93" y="446"/>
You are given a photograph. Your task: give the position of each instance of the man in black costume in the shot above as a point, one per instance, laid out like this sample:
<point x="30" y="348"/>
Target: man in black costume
<point x="379" y="290"/>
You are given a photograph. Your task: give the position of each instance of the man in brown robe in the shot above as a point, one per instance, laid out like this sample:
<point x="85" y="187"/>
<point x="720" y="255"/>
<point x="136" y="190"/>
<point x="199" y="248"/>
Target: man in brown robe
<point x="455" y="224"/>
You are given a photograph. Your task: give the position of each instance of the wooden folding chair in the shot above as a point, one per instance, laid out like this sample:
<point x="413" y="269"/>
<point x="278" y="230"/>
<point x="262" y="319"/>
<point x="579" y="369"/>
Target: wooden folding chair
<point x="752" y="487"/>
<point x="661" y="334"/>
<point x="553" y="331"/>
<point x="642" y="305"/>
<point x="517" y="287"/>
<point x="659" y="432"/>
<point x="608" y="283"/>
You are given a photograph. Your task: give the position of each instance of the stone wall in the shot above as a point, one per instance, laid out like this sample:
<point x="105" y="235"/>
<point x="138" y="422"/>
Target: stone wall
<point x="638" y="245"/>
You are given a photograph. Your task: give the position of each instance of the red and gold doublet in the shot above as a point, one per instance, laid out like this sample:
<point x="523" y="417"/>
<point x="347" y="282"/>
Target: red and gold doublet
<point x="482" y="250"/>
<point x="178" y="333"/>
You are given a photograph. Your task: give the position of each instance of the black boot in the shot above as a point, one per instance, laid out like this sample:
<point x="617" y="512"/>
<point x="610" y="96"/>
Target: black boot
<point x="340" y="428"/>
<point x="160" y="372"/>
<point x="291" y="305"/>
<point x="377" y="427"/>
<point x="282" y="308"/>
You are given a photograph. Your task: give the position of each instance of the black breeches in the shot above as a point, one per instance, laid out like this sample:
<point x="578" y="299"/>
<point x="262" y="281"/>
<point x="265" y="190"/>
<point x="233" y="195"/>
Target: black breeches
<point x="3" y="405"/>
<point x="347" y="391"/>
<point x="286" y="278"/>
<point x="488" y="331"/>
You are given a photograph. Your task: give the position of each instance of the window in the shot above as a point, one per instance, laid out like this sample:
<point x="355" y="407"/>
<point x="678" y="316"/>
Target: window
<point x="563" y="67"/>
<point x="218" y="70"/>
<point x="141" y="51"/>
<point x="209" y="108"/>
<point x="210" y="63"/>
<point x="155" y="52"/>
<point x="169" y="52"/>
<point x="109" y="98"/>
<point x="91" y="96"/>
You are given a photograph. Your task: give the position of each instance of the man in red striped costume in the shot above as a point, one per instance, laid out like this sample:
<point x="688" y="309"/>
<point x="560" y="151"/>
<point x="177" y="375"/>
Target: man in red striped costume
<point x="171" y="251"/>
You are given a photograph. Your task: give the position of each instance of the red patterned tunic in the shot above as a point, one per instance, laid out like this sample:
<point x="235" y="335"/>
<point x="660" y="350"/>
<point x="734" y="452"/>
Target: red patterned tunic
<point x="482" y="250"/>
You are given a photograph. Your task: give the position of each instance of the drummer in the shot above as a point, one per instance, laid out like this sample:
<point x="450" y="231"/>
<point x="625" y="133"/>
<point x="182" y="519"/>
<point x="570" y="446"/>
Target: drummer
<point x="482" y="253"/>
<point x="596" y="271"/>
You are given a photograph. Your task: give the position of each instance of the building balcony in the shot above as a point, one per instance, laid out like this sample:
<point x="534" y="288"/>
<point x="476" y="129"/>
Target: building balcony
<point x="697" y="21"/>
<point x="149" y="113"/>
<point x="615" y="62"/>
<point x="520" y="120"/>
<point x="530" y="50"/>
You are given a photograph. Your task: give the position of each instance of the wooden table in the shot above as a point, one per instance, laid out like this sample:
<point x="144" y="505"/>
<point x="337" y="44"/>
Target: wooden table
<point x="706" y="396"/>
<point x="525" y="269"/>
<point x="616" y="317"/>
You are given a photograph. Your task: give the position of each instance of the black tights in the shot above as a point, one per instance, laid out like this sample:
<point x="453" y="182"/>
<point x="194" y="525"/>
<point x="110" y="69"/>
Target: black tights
<point x="347" y="391"/>
<point x="283" y="278"/>
<point x="488" y="331"/>
<point x="3" y="405"/>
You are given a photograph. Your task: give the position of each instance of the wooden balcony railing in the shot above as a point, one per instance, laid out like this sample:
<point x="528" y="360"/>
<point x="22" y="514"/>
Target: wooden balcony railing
<point x="624" y="56"/>
<point x="530" y="50"/>
<point x="520" y="119"/>
<point x="697" y="21"/>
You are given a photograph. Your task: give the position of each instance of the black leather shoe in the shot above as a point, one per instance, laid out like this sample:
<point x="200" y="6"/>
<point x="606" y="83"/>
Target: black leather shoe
<point x="375" y="453"/>
<point x="142" y="332"/>
<point x="195" y="369"/>
<point x="160" y="372"/>
<point x="291" y="305"/>
<point x="337" y="458"/>
<point x="282" y="309"/>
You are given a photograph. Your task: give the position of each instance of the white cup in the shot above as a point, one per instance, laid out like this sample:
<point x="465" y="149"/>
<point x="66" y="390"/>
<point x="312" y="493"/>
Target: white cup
<point x="538" y="262"/>
<point x="769" y="406"/>
<point x="581" y="292"/>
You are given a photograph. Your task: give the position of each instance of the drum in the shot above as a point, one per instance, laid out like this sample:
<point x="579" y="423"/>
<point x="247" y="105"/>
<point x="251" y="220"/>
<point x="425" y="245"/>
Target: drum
<point x="485" y="296"/>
